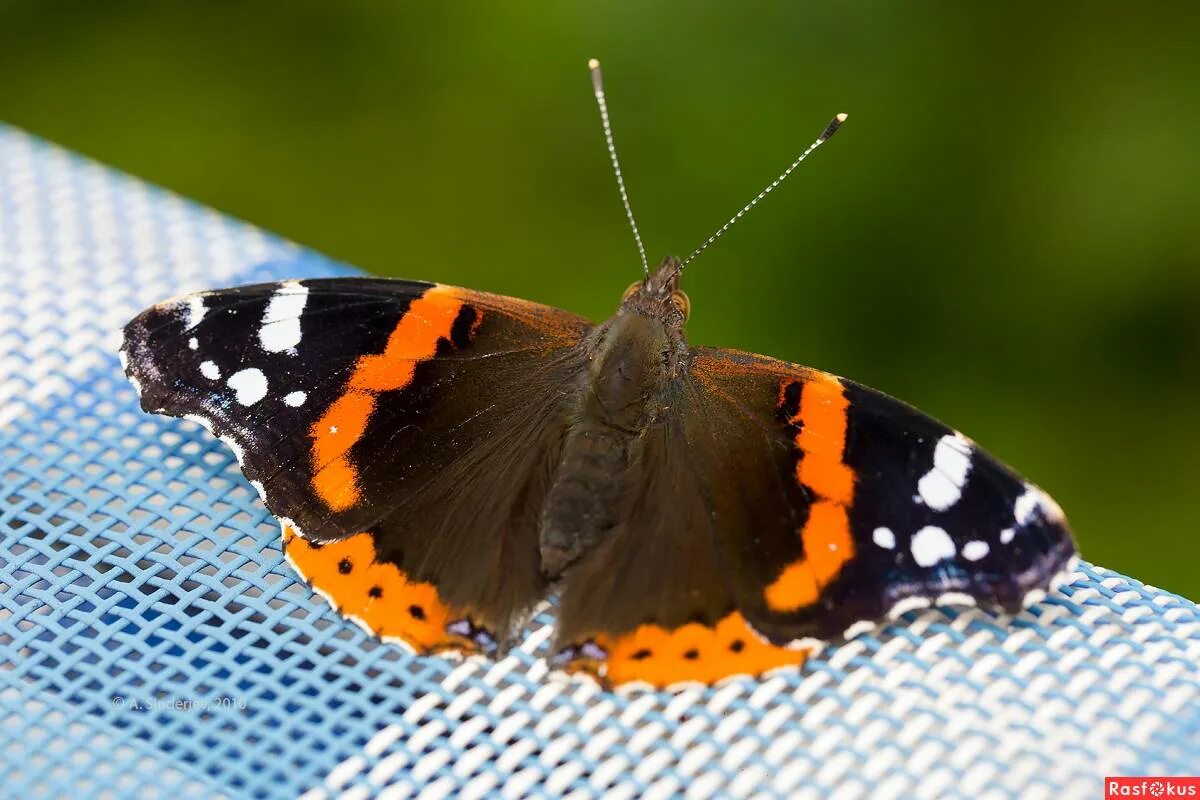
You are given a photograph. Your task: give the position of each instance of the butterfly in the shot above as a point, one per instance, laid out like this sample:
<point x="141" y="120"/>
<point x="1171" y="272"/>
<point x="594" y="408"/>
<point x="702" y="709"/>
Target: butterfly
<point x="442" y="460"/>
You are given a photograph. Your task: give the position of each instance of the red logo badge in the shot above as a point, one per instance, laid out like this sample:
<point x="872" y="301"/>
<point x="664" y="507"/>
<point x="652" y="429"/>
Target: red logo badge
<point x="1151" y="787"/>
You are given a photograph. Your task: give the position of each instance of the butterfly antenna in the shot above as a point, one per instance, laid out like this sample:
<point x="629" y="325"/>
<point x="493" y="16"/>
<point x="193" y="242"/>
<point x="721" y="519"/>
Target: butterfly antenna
<point x="829" y="131"/>
<point x="598" y="87"/>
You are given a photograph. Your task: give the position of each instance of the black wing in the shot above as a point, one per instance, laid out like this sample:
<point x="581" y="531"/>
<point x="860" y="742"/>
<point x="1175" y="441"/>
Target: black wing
<point x="403" y="430"/>
<point x="854" y="506"/>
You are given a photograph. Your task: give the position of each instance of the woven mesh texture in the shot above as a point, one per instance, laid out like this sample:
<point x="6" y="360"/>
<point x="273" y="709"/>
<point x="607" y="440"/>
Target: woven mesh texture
<point x="154" y="643"/>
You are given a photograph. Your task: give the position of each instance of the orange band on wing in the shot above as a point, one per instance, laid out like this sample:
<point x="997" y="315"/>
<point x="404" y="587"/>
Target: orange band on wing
<point x="828" y="544"/>
<point x="691" y="652"/>
<point x="822" y="440"/>
<point x="428" y="320"/>
<point x="376" y="595"/>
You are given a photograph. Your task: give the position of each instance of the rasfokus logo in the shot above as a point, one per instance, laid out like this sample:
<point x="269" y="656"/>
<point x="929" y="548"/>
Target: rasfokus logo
<point x="1151" y="787"/>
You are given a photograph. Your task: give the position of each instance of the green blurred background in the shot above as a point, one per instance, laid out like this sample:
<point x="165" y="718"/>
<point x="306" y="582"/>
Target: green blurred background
<point x="1005" y="233"/>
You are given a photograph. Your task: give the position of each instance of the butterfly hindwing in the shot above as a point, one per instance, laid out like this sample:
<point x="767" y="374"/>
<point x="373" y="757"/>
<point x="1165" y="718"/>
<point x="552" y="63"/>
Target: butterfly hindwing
<point x="650" y="603"/>
<point x="402" y="432"/>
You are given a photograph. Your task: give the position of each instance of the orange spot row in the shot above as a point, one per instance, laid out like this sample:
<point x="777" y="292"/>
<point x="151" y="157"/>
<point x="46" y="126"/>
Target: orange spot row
<point x="428" y="320"/>
<point x="377" y="594"/>
<point x="689" y="653"/>
<point x="828" y="544"/>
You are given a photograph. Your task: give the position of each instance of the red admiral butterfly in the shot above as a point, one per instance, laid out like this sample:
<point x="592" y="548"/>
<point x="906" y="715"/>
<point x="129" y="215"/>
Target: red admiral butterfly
<point x="442" y="459"/>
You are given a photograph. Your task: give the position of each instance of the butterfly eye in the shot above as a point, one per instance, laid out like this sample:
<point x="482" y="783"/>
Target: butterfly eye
<point x="633" y="287"/>
<point x="682" y="302"/>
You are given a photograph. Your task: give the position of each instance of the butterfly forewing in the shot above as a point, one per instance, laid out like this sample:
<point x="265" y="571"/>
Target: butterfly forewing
<point x="889" y="509"/>
<point x="402" y="431"/>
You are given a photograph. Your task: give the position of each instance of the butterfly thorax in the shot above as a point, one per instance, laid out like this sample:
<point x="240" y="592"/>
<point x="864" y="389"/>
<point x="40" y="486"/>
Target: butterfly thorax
<point x="634" y="363"/>
<point x="629" y="365"/>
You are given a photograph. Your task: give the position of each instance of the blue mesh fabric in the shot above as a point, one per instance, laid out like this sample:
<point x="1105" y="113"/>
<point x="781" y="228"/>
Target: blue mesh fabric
<point x="153" y="642"/>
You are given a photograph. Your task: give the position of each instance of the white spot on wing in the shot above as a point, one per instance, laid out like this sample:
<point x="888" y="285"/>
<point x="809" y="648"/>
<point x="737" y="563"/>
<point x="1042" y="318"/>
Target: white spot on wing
<point x="1034" y="501"/>
<point x="280" y="328"/>
<point x="1026" y="506"/>
<point x="1007" y="535"/>
<point x="403" y="644"/>
<point x="930" y="545"/>
<point x="884" y="538"/>
<point x="975" y="550"/>
<point x="250" y="385"/>
<point x="195" y="311"/>
<point x="295" y="399"/>
<point x="193" y="343"/>
<point x="1051" y="509"/>
<point x="238" y="452"/>
<point x="210" y="370"/>
<point x="288" y="522"/>
<point x="942" y="486"/>
<point x="202" y="421"/>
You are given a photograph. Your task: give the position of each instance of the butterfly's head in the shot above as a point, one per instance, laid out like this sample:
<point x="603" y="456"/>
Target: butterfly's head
<point x="658" y="295"/>
<point x="634" y="354"/>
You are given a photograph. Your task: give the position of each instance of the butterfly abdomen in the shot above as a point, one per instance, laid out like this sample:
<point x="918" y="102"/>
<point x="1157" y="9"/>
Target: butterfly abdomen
<point x="612" y="408"/>
<point x="584" y="498"/>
